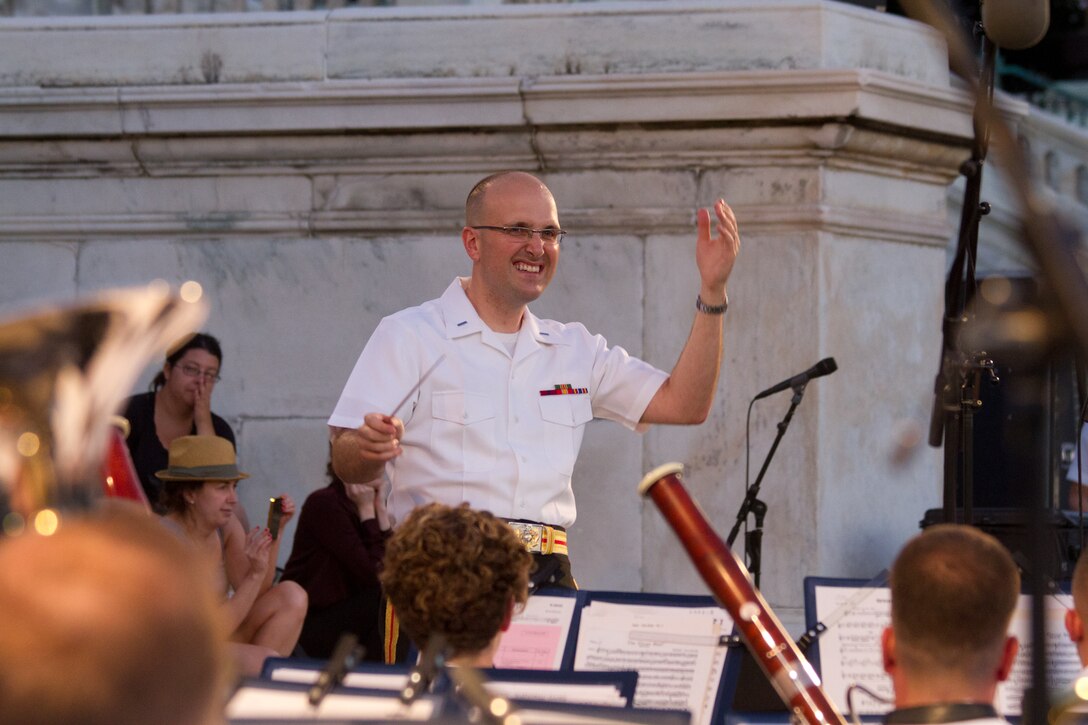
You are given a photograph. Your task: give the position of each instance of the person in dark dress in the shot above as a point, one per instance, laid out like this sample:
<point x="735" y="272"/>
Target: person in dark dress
<point x="178" y="404"/>
<point x="336" y="555"/>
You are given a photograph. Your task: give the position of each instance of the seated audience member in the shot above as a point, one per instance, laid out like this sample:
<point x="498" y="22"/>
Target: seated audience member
<point x="336" y="556"/>
<point x="178" y="404"/>
<point x="459" y="573"/>
<point x="199" y="497"/>
<point x="954" y="590"/>
<point x="108" y="621"/>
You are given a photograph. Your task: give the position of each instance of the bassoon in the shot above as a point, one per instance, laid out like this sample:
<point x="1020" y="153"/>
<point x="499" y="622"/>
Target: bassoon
<point x="786" y="668"/>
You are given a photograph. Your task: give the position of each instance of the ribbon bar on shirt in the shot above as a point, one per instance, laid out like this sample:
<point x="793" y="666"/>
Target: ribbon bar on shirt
<point x="565" y="389"/>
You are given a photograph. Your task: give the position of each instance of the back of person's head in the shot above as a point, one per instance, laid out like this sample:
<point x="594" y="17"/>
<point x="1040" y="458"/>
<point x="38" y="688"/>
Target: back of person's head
<point x="455" y="572"/>
<point x="196" y="341"/>
<point x="108" y="621"/>
<point x="954" y="591"/>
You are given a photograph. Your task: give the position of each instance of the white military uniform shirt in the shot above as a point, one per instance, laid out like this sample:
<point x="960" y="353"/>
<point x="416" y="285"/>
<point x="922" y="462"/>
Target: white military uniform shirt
<point x="498" y="431"/>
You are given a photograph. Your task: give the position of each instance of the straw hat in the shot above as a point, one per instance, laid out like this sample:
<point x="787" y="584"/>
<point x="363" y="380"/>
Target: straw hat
<point x="201" y="458"/>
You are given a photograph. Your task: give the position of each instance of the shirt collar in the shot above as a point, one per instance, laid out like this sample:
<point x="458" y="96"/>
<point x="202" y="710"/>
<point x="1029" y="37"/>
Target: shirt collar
<point x="945" y="712"/>
<point x="461" y="317"/>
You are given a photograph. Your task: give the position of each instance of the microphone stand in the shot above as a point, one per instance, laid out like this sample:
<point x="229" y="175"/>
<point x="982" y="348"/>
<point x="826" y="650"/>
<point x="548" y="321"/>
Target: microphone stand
<point x="1050" y="241"/>
<point x="958" y="380"/>
<point x="469" y="685"/>
<point x="346" y="655"/>
<point x="753" y="539"/>
<point x="432" y="662"/>
<point x="483" y="706"/>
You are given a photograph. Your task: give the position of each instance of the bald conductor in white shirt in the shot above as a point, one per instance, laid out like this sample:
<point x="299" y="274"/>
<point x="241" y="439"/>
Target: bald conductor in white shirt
<point x="500" y="421"/>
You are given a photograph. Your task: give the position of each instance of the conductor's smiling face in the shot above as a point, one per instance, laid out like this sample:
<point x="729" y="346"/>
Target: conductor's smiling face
<point x="512" y="270"/>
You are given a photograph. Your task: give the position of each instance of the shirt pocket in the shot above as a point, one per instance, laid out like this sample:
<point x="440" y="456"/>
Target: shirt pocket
<point x="463" y="434"/>
<point x="565" y="418"/>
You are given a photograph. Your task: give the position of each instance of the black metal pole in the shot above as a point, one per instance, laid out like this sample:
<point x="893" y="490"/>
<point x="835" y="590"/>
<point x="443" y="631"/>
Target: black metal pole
<point x="751" y="501"/>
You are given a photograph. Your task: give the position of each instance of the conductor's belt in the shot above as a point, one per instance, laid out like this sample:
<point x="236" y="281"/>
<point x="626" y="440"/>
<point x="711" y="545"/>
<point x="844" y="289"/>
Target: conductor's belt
<point x="540" y="538"/>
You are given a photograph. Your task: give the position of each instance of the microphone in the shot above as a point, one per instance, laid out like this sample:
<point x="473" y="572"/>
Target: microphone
<point x="1015" y="24"/>
<point x="824" y="367"/>
<point x="346" y="654"/>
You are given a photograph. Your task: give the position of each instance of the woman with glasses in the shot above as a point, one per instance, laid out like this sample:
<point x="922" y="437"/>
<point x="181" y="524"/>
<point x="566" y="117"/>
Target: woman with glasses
<point x="178" y="404"/>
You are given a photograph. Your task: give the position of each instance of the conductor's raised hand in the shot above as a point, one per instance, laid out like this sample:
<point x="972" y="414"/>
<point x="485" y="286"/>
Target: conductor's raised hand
<point x="379" y="437"/>
<point x="716" y="250"/>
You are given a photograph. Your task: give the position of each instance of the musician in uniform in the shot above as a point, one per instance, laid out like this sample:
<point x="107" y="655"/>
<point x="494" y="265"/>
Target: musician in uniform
<point x="954" y="591"/>
<point x="499" y="423"/>
<point x="457" y="573"/>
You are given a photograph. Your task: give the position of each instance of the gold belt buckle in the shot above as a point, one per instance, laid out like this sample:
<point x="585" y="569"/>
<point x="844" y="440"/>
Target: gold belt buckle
<point x="530" y="535"/>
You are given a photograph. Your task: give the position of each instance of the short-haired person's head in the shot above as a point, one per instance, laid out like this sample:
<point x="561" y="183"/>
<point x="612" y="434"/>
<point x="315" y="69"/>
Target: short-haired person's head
<point x="954" y="590"/>
<point x="457" y="572"/>
<point x="512" y="235"/>
<point x="476" y="205"/>
<point x="180" y="348"/>
<point x="108" y="621"/>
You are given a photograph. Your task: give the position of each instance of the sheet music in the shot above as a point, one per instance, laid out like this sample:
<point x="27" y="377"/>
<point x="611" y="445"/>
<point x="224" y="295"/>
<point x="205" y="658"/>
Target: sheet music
<point x="539" y="690"/>
<point x="850" y="650"/>
<point x="537" y="716"/>
<point x="372" y="680"/>
<point x="558" y="692"/>
<point x="675" y="650"/>
<point x="1063" y="664"/>
<point x="538" y="634"/>
<point x="252" y="701"/>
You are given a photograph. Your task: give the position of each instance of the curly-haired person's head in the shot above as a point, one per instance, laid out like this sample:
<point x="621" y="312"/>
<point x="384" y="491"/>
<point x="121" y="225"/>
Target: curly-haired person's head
<point x="457" y="572"/>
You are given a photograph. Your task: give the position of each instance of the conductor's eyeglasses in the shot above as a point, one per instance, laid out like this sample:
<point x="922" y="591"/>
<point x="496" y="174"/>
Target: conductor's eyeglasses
<point x="524" y="235"/>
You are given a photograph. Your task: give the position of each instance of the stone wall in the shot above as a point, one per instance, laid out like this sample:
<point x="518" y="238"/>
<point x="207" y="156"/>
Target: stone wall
<point x="309" y="169"/>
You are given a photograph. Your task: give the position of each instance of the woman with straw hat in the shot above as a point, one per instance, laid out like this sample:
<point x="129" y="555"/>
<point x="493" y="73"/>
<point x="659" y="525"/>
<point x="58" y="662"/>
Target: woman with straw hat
<point x="200" y="497"/>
